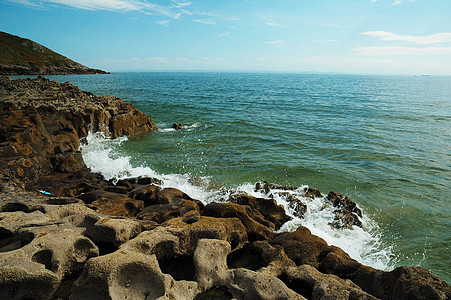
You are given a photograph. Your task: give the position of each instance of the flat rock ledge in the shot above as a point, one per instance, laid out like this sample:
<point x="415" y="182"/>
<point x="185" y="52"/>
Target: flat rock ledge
<point x="88" y="238"/>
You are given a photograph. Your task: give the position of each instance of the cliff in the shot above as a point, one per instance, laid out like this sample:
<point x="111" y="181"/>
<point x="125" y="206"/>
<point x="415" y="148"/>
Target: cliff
<point x="19" y="56"/>
<point x="88" y="238"/>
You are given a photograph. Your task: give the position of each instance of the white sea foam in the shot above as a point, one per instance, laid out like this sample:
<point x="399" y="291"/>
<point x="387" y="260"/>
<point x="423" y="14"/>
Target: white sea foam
<point x="191" y="127"/>
<point x="363" y="244"/>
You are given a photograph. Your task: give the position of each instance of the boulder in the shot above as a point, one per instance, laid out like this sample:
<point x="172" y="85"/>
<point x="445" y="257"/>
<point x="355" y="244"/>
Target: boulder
<point x="312" y="284"/>
<point x="255" y="285"/>
<point x="210" y="263"/>
<point x="129" y="275"/>
<point x="148" y="194"/>
<point x="48" y="254"/>
<point x="113" y="231"/>
<point x="269" y="208"/>
<point x="302" y="247"/>
<point x="256" y="226"/>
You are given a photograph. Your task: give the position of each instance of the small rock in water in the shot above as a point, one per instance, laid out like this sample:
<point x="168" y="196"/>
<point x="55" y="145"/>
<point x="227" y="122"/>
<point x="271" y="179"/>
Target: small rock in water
<point x="177" y="126"/>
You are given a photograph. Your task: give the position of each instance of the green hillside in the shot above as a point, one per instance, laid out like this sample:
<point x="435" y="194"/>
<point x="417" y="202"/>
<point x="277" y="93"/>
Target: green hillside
<point x="19" y="56"/>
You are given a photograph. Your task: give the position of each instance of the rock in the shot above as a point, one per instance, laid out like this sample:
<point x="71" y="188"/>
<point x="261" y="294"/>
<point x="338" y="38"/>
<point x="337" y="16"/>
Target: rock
<point x="167" y="194"/>
<point x="401" y="283"/>
<point x="256" y="226"/>
<point x="210" y="263"/>
<point x="162" y="212"/>
<point x="149" y="180"/>
<point x="312" y="193"/>
<point x="43" y="122"/>
<point x="112" y="204"/>
<point x="26" y="282"/>
<point x="302" y="247"/>
<point x="124" y="274"/>
<point x="269" y="208"/>
<point x="11" y="222"/>
<point x="254" y="285"/>
<point x="346" y="213"/>
<point x="266" y="187"/>
<point x="148" y="194"/>
<point x="310" y="283"/>
<point x="109" y="230"/>
<point x="49" y="254"/>
<point x="177" y="126"/>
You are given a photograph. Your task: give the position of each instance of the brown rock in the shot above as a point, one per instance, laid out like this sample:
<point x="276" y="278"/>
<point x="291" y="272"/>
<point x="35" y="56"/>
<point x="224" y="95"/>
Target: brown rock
<point x="302" y="247"/>
<point x="162" y="212"/>
<point x="167" y="194"/>
<point x="256" y="226"/>
<point x="148" y="194"/>
<point x="177" y="126"/>
<point x="269" y="208"/>
<point x="112" y="204"/>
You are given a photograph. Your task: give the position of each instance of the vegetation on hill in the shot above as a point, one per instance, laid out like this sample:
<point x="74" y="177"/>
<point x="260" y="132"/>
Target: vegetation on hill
<point x="19" y="56"/>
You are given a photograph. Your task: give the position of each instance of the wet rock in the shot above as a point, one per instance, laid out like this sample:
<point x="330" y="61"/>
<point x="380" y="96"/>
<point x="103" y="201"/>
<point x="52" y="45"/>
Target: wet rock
<point x="266" y="187"/>
<point x="346" y="213"/>
<point x="312" y="193"/>
<point x="148" y="194"/>
<point x="167" y="194"/>
<point x="149" y="180"/>
<point x="256" y="226"/>
<point x="177" y="126"/>
<point x="269" y="208"/>
<point x="302" y="247"/>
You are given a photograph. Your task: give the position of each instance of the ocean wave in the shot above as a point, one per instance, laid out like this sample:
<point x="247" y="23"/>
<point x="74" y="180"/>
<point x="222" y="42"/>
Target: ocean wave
<point x="364" y="244"/>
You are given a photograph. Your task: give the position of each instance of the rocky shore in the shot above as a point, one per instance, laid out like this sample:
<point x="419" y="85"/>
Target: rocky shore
<point x="66" y="233"/>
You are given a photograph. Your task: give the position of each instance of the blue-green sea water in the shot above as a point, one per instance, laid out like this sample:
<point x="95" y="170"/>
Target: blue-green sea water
<point x="385" y="141"/>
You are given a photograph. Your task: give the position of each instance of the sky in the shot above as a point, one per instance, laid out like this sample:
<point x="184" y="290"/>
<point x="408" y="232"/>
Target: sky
<point x="344" y="36"/>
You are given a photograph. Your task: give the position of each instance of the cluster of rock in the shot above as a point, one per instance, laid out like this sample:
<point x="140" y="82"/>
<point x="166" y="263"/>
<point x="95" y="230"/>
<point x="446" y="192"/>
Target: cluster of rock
<point x="88" y="238"/>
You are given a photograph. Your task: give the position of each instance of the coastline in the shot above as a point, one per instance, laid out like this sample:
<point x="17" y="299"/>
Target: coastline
<point x="116" y="225"/>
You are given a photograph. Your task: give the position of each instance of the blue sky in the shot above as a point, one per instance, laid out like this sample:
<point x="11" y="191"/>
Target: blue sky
<point x="346" y="36"/>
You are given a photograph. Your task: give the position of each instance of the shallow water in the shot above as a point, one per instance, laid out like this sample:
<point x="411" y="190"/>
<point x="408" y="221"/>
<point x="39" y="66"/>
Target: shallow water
<point x="385" y="141"/>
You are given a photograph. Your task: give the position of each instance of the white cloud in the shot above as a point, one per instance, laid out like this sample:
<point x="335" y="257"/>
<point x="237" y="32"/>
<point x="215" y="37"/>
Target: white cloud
<point x="436" y="38"/>
<point x="205" y="21"/>
<point x="164" y="22"/>
<point x="391" y="50"/>
<point x="273" y="24"/>
<point x="324" y="41"/>
<point x="277" y="43"/>
<point x="180" y="4"/>
<point x="112" y="5"/>
<point x="224" y="34"/>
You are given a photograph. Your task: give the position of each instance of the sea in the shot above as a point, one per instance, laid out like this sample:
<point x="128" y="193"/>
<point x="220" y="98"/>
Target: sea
<point x="384" y="141"/>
